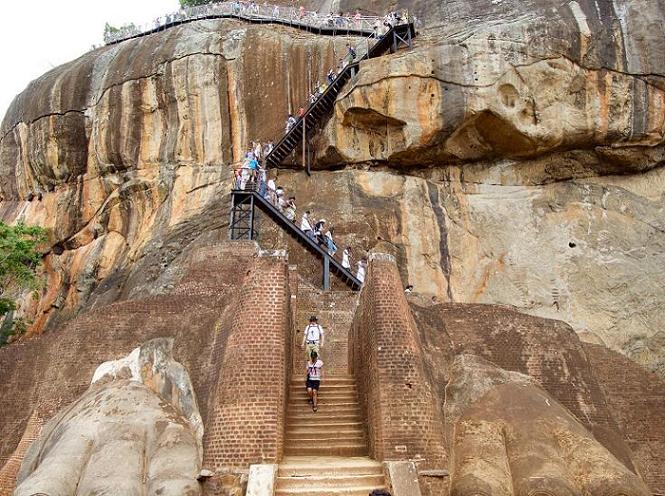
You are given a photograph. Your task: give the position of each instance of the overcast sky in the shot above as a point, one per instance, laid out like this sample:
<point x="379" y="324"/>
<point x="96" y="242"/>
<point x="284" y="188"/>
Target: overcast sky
<point x="37" y="35"/>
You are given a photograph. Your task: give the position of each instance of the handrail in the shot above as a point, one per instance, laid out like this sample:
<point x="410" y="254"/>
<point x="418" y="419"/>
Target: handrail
<point x="292" y="226"/>
<point x="349" y="65"/>
<point x="251" y="11"/>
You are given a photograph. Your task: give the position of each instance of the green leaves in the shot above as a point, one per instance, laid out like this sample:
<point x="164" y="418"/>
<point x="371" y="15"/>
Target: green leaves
<point x="19" y="260"/>
<point x="192" y="3"/>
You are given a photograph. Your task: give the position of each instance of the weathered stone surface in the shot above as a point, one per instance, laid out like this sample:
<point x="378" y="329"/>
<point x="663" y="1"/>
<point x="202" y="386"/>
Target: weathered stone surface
<point x="539" y="128"/>
<point x="514" y="157"/>
<point x="500" y="364"/>
<point x="132" y="432"/>
<point x="402" y="478"/>
<point x="261" y="480"/>
<point x="511" y="437"/>
<point x="590" y="252"/>
<point x="120" y="151"/>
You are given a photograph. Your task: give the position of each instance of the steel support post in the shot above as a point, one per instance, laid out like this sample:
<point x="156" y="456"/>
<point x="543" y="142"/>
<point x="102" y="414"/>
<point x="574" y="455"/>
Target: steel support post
<point x="305" y="162"/>
<point x="233" y="210"/>
<point x="326" y="272"/>
<point x="251" y="217"/>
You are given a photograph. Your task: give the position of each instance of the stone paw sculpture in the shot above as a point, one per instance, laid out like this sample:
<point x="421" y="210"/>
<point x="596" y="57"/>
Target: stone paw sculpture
<point x="135" y="431"/>
<point x="510" y="437"/>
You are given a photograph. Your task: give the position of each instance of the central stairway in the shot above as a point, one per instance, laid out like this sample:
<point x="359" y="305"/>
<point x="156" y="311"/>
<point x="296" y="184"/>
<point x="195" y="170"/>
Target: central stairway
<point x="326" y="452"/>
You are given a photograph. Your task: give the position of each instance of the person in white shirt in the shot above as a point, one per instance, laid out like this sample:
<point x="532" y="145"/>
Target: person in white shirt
<point x="312" y="339"/>
<point x="362" y="269"/>
<point x="306" y="226"/>
<point x="272" y="191"/>
<point x="346" y="258"/>
<point x="313" y="381"/>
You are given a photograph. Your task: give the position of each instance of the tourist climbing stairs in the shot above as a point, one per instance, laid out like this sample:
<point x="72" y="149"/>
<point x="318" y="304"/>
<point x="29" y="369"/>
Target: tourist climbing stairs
<point x="326" y="451"/>
<point x="307" y="124"/>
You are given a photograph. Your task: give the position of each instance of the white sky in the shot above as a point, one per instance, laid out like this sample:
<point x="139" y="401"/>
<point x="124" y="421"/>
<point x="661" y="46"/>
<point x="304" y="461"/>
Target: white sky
<point x="37" y="35"/>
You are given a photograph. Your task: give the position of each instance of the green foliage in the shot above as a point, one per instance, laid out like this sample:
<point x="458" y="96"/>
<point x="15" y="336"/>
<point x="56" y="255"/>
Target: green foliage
<point x="19" y="260"/>
<point x="192" y="3"/>
<point x="110" y="30"/>
<point x="12" y="327"/>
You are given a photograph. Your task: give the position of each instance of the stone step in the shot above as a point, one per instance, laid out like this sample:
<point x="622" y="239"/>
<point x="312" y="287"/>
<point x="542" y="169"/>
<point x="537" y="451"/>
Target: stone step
<point x="333" y="388"/>
<point x="327" y="465"/>
<point x="325" y="388"/>
<point x="328" y="439"/>
<point x="330" y="379"/>
<point x="326" y="482"/>
<point x="314" y="491"/>
<point x="347" y="449"/>
<point x="323" y="427"/>
<point x="308" y="416"/>
<point x="301" y="395"/>
<point x="321" y="432"/>
<point x="325" y="408"/>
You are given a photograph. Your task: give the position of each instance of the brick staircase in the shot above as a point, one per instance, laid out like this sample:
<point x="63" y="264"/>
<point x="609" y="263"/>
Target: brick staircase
<point x="325" y="453"/>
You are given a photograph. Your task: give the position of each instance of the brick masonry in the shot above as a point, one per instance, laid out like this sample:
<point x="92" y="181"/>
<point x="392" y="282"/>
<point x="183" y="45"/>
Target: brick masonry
<point x="246" y="425"/>
<point x="9" y="470"/>
<point x="201" y="313"/>
<point x="397" y="398"/>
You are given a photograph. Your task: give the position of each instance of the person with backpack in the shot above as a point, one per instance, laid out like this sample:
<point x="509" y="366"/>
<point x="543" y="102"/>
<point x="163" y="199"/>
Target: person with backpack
<point x="313" y="381"/>
<point x="312" y="339"/>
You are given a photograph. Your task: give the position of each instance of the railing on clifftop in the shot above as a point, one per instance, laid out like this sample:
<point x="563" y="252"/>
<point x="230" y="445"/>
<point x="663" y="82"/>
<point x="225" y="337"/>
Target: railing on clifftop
<point x="275" y="14"/>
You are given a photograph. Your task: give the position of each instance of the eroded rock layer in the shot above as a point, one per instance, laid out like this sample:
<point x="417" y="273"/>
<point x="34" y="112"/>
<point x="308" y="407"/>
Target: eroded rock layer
<point x="512" y="156"/>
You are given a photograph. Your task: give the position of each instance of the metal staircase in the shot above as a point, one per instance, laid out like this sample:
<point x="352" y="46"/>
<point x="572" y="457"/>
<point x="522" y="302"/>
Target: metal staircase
<point x="243" y="225"/>
<point x="308" y="124"/>
<point x="245" y="202"/>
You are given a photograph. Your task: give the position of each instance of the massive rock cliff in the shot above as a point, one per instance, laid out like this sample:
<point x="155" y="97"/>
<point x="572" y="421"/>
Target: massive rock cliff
<point x="513" y="156"/>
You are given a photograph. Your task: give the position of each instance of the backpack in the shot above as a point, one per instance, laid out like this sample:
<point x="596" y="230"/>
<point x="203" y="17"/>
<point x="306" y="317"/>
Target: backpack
<point x="318" y="327"/>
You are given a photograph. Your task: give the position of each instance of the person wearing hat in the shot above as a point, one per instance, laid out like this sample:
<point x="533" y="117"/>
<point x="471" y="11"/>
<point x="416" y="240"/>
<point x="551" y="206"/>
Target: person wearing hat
<point x="312" y="339"/>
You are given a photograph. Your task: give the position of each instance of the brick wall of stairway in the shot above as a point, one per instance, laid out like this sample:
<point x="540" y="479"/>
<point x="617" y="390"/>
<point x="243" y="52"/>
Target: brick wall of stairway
<point x="325" y="452"/>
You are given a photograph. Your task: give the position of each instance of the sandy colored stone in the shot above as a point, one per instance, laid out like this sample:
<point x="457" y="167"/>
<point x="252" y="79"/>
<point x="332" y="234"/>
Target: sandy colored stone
<point x="513" y="438"/>
<point x="137" y="429"/>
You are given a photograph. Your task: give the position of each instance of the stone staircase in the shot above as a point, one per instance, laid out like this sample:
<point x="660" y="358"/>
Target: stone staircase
<point x="325" y="453"/>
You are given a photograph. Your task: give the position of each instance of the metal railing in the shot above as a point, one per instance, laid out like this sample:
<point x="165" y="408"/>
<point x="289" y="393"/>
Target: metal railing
<point x="252" y="11"/>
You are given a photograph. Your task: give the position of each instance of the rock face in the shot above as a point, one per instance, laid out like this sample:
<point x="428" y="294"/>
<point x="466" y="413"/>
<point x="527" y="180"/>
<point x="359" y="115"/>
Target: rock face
<point x="518" y="147"/>
<point x="123" y="149"/>
<point x="503" y="377"/>
<point x="511" y="437"/>
<point x="136" y="430"/>
<point x="513" y="156"/>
